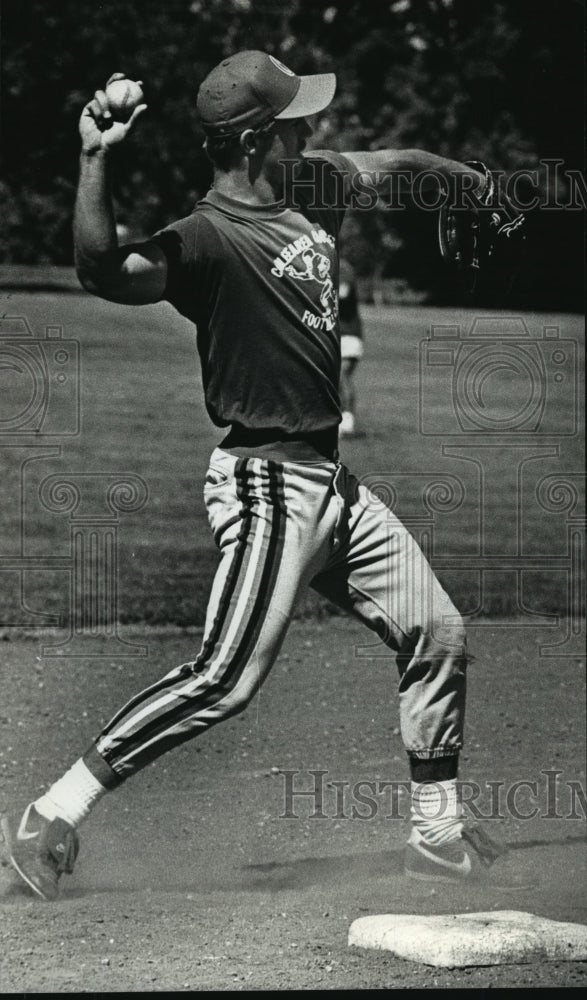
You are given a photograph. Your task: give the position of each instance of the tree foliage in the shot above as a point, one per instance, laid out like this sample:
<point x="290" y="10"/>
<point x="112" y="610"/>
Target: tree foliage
<point x="485" y="79"/>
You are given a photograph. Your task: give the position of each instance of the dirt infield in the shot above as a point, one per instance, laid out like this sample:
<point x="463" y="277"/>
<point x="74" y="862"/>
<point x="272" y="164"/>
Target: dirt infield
<point x="188" y="879"/>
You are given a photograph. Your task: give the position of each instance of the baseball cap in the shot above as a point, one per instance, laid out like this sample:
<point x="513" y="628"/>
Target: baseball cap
<point x="251" y="88"/>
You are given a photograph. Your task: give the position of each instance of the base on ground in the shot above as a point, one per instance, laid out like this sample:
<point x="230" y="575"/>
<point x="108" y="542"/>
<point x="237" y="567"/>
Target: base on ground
<point x="461" y="939"/>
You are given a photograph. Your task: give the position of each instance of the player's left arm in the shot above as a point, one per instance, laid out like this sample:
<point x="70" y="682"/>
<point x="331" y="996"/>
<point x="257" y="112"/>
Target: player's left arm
<point x="406" y="164"/>
<point x="486" y="247"/>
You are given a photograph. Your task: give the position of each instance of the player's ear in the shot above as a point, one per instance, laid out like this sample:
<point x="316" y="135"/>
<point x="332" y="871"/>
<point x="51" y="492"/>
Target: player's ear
<point x="248" y="140"/>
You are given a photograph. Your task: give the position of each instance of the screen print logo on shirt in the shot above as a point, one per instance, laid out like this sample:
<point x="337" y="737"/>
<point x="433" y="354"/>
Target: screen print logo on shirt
<point x="300" y="260"/>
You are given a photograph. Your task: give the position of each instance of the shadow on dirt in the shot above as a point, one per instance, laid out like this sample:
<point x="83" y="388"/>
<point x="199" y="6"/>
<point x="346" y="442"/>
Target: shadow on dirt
<point x="305" y="872"/>
<point x="523" y="845"/>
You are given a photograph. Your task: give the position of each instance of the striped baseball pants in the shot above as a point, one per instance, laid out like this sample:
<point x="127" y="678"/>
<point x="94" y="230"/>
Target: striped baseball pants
<point x="280" y="528"/>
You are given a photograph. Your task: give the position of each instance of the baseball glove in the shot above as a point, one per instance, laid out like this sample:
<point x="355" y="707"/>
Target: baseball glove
<point x="483" y="243"/>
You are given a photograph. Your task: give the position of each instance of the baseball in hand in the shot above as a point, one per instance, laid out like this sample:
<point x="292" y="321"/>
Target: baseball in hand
<point x="123" y="97"/>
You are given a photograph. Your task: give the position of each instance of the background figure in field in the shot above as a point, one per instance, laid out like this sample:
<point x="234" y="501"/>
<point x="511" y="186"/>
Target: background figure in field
<point x="351" y="344"/>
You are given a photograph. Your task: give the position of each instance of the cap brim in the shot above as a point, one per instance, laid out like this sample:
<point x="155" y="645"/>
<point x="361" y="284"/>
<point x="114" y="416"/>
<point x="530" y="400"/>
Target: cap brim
<point x="314" y="94"/>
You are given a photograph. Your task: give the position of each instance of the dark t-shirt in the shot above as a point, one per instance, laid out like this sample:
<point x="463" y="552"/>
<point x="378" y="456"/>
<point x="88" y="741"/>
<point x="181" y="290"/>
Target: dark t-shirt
<point x="260" y="283"/>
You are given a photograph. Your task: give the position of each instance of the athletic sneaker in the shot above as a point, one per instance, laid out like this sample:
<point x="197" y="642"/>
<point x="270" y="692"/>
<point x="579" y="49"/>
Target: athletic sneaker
<point x="41" y="850"/>
<point x="456" y="860"/>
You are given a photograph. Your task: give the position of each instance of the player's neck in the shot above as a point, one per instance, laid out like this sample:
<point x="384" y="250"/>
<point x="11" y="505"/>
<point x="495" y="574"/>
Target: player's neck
<point x="243" y="185"/>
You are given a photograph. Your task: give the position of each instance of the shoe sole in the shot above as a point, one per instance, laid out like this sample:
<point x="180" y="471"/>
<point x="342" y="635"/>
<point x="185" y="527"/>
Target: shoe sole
<point x="22" y="874"/>
<point x="424" y="868"/>
<point x="480" y="878"/>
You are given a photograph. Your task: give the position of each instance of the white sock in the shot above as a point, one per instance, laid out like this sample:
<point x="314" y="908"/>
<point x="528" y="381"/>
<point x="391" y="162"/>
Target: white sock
<point x="436" y="812"/>
<point x="72" y="796"/>
<point x="347" y="424"/>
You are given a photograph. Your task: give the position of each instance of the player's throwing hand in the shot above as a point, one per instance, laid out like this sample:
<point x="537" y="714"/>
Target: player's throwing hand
<point x="98" y="126"/>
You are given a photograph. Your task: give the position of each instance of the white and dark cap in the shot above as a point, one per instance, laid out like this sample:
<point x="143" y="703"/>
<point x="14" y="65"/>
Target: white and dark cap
<point x="251" y="88"/>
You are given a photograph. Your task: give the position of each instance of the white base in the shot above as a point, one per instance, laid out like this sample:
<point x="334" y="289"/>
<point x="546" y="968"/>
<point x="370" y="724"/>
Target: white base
<point x="459" y="939"/>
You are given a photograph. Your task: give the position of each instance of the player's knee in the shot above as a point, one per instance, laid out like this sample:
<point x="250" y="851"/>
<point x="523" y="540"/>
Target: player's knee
<point x="234" y="701"/>
<point x="237" y="705"/>
<point x="448" y="630"/>
<point x="457" y="629"/>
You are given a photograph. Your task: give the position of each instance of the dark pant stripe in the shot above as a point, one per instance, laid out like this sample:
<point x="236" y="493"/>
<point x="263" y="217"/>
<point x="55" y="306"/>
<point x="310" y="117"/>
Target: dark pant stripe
<point x="242" y="475"/>
<point x="210" y="695"/>
<point x="234" y="667"/>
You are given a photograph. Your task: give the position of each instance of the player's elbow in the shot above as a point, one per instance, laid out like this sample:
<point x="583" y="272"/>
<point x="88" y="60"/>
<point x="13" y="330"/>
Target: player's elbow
<point x="97" y="284"/>
<point x="408" y="160"/>
<point x="112" y="284"/>
<point x="87" y="280"/>
<point x="131" y="275"/>
<point x="96" y="273"/>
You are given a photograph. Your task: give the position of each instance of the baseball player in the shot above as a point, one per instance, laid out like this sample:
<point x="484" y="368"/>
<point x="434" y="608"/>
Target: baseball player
<point x="284" y="512"/>
<point x="351" y="345"/>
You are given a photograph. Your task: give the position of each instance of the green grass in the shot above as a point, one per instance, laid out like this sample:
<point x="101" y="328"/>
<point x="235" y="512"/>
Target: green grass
<point x="143" y="413"/>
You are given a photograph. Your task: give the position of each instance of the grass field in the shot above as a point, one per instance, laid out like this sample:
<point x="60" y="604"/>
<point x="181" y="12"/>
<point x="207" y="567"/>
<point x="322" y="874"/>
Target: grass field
<point x="142" y="413"/>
